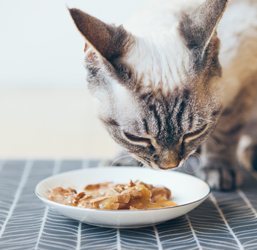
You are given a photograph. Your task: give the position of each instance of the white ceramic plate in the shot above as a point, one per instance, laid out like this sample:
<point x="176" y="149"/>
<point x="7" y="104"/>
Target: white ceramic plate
<point x="187" y="191"/>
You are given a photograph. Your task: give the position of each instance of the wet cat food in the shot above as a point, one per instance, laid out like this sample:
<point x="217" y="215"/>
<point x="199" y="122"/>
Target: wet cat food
<point x="107" y="195"/>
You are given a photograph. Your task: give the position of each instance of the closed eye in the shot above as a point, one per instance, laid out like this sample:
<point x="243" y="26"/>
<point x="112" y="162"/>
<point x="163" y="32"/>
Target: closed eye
<point x="195" y="134"/>
<point x="137" y="139"/>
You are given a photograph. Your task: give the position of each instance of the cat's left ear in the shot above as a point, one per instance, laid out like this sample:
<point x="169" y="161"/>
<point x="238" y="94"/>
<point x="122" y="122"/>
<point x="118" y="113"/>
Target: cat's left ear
<point x="110" y="41"/>
<point x="199" y="27"/>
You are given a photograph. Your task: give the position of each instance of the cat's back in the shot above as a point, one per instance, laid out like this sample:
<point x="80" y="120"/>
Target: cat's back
<point x="238" y="53"/>
<point x="238" y="31"/>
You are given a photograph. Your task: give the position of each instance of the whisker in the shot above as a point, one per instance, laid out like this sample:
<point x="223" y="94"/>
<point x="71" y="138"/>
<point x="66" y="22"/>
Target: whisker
<point x="198" y="156"/>
<point x="194" y="168"/>
<point x="148" y="162"/>
<point x="207" y="120"/>
<point x="186" y="167"/>
<point x="182" y="167"/>
<point x="209" y="137"/>
<point x="120" y="158"/>
<point x="142" y="161"/>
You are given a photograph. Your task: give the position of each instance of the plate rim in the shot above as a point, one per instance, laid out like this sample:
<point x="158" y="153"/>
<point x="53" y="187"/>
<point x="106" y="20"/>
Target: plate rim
<point x="115" y="211"/>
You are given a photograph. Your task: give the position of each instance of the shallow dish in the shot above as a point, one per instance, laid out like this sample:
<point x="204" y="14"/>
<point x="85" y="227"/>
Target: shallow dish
<point x="187" y="191"/>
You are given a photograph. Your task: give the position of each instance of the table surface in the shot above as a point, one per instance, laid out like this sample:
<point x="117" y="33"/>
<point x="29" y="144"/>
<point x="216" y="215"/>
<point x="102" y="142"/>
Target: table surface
<point x="226" y="220"/>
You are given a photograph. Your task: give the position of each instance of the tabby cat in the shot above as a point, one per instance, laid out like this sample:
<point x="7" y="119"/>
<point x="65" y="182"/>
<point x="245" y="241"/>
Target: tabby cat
<point x="179" y="75"/>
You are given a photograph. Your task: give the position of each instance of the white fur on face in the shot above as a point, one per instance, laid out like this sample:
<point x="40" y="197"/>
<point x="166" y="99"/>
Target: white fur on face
<point x="125" y="105"/>
<point x="160" y="60"/>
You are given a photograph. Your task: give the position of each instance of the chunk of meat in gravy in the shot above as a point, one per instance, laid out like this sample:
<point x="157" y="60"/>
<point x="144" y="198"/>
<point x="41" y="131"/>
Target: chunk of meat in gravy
<point x="156" y="191"/>
<point x="97" y="186"/>
<point x="111" y="202"/>
<point x="92" y="187"/>
<point x="85" y="201"/>
<point x="81" y="195"/>
<point x="131" y="184"/>
<point x="148" y="186"/>
<point x="64" y="196"/>
<point x="62" y="191"/>
<point x="134" y="192"/>
<point x="161" y="191"/>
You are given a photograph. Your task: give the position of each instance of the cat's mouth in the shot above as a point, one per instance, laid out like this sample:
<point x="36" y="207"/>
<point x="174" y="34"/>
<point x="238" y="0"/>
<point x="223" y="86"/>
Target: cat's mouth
<point x="156" y="167"/>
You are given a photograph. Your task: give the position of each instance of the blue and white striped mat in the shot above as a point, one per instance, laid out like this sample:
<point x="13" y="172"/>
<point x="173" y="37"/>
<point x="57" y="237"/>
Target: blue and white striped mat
<point x="227" y="220"/>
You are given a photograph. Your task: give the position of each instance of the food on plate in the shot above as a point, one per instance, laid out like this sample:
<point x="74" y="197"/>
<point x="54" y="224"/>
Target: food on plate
<point x="107" y="195"/>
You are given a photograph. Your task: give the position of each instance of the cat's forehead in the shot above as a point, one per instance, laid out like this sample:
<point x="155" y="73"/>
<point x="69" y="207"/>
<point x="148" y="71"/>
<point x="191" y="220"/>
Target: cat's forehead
<point x="177" y="108"/>
<point x="160" y="61"/>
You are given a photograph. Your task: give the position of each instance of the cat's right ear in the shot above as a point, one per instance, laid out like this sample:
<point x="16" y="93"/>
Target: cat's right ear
<point x="199" y="27"/>
<point x="110" y="41"/>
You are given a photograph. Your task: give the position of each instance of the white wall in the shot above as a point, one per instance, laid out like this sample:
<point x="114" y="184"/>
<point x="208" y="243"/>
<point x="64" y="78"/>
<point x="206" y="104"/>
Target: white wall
<point x="39" y="45"/>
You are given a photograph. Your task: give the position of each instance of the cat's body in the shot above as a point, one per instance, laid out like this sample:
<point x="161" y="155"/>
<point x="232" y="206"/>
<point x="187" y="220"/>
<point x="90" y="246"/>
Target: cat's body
<point x="167" y="87"/>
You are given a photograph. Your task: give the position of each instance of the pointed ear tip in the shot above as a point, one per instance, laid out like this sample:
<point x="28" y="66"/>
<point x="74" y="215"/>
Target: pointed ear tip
<point x="225" y="2"/>
<point x="73" y="11"/>
<point x="76" y="13"/>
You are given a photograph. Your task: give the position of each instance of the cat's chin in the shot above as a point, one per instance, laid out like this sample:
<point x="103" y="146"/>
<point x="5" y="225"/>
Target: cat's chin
<point x="154" y="167"/>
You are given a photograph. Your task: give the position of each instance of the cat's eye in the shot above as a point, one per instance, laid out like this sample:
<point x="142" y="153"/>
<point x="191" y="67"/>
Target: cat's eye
<point x="195" y="134"/>
<point x="137" y="139"/>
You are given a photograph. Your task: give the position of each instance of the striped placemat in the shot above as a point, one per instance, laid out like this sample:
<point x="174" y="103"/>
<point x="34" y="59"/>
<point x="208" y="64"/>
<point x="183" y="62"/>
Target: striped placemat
<point x="226" y="220"/>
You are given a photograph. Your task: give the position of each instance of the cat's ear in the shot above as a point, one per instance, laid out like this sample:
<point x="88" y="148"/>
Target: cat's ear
<point x="110" y="41"/>
<point x="199" y="27"/>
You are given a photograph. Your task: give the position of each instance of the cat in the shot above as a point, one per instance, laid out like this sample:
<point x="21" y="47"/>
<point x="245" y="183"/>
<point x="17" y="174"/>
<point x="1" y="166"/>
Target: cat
<point x="180" y="75"/>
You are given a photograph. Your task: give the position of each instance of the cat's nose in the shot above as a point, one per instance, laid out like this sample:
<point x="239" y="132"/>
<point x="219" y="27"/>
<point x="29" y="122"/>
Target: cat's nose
<point x="170" y="160"/>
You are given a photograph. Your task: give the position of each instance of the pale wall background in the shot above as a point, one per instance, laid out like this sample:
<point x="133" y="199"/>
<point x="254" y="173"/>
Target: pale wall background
<point x="45" y="108"/>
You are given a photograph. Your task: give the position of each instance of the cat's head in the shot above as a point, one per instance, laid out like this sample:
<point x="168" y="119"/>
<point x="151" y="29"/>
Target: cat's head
<point x="157" y="95"/>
